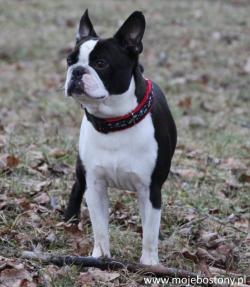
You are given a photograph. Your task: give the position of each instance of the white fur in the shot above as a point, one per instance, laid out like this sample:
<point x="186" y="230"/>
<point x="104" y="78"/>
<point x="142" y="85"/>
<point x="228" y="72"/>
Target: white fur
<point x="123" y="159"/>
<point x="93" y="86"/>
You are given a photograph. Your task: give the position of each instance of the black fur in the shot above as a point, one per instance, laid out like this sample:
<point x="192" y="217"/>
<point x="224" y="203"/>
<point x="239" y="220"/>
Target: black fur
<point x="120" y="55"/>
<point x="116" y="76"/>
<point x="74" y="205"/>
<point x="165" y="135"/>
<point x="130" y="34"/>
<point x="86" y="28"/>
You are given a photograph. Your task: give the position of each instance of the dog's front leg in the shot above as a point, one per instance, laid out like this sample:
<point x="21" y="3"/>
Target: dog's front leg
<point x="151" y="218"/>
<point x="97" y="201"/>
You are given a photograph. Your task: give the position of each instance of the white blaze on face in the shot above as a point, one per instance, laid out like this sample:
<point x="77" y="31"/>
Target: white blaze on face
<point x="93" y="85"/>
<point x="85" y="49"/>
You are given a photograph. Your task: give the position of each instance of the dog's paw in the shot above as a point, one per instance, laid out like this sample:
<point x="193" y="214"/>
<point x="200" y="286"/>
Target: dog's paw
<point x="149" y="258"/>
<point x="98" y="252"/>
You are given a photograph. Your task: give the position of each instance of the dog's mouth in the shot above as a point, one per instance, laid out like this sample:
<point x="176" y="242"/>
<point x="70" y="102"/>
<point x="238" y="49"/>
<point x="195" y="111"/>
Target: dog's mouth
<point x="75" y="87"/>
<point x="76" y="90"/>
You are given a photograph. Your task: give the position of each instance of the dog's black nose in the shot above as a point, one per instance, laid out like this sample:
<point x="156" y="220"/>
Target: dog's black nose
<point x="78" y="72"/>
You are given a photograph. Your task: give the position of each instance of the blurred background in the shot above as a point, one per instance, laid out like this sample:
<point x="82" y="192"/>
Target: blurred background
<point x="199" y="54"/>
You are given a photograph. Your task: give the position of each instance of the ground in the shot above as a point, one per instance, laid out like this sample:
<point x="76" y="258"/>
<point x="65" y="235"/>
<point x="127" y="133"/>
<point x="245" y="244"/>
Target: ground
<point x="199" y="53"/>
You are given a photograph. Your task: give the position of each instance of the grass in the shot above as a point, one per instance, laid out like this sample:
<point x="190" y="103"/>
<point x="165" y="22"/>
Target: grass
<point x="212" y="152"/>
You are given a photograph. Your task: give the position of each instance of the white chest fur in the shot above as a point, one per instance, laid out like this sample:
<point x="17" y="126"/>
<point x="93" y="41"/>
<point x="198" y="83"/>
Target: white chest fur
<point x="123" y="159"/>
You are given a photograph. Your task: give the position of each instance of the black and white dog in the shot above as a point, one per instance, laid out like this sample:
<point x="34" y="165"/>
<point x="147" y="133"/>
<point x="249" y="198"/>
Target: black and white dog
<point x="127" y="136"/>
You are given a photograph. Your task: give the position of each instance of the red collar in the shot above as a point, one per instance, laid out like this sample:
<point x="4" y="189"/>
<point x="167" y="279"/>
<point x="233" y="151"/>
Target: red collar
<point x="106" y="125"/>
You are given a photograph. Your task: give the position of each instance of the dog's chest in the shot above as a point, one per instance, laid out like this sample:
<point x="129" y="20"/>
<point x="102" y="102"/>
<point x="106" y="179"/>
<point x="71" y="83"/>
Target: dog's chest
<point x="123" y="159"/>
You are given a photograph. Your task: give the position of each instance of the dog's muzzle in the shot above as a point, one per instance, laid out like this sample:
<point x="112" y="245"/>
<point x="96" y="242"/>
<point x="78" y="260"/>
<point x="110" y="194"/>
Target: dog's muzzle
<point x="76" y="85"/>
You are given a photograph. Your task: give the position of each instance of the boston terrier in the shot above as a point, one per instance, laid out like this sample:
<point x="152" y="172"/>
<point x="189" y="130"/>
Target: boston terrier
<point x="127" y="136"/>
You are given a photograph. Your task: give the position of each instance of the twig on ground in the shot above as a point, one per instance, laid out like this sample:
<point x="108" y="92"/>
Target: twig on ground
<point x="113" y="264"/>
<point x="108" y="263"/>
<point x="194" y="221"/>
<point x="226" y="223"/>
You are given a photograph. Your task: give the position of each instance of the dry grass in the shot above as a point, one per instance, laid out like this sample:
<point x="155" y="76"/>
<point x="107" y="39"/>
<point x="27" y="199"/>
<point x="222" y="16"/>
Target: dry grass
<point x="197" y="52"/>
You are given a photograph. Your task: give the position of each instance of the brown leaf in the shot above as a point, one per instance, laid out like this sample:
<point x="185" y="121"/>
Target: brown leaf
<point x="59" y="169"/>
<point x="43" y="168"/>
<point x="209" y="106"/>
<point x="244" y="177"/>
<point x="42" y="198"/>
<point x="85" y="278"/>
<point x="71" y="228"/>
<point x="103" y="275"/>
<point x="12" y="161"/>
<point x="185" y="103"/>
<point x="58" y="152"/>
<point x="36" y="158"/>
<point x="119" y="205"/>
<point x="243" y="224"/>
<point x="24" y="203"/>
<point x="14" y="274"/>
<point x="232" y="163"/>
<point x="70" y="23"/>
<point x="81" y="246"/>
<point x="42" y="186"/>
<point x="207" y="237"/>
<point x="189" y="255"/>
<point x="188" y="173"/>
<point x="204" y="255"/>
<point x="8" y="162"/>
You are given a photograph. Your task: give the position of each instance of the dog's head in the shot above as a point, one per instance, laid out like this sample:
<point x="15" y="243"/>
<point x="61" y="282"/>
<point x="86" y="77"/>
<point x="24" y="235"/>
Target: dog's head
<point x="98" y="68"/>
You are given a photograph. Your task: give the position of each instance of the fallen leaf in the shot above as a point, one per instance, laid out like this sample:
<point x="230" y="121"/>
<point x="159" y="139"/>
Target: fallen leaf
<point x="8" y="162"/>
<point x="58" y="152"/>
<point x="59" y="169"/>
<point x="211" y="107"/>
<point x="42" y="186"/>
<point x="204" y="255"/>
<point x="12" y="161"/>
<point x="15" y="274"/>
<point x="243" y="224"/>
<point x="232" y="163"/>
<point x="43" y="168"/>
<point x="103" y="275"/>
<point x="85" y="278"/>
<point x="206" y="237"/>
<point x="42" y="198"/>
<point x="81" y="246"/>
<point x="193" y="122"/>
<point x="244" y="177"/>
<point x="36" y="158"/>
<point x="188" y="173"/>
<point x="185" y="103"/>
<point x="189" y="255"/>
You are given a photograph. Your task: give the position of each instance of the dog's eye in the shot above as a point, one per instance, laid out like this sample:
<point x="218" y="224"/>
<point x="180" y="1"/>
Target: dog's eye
<point x="100" y="64"/>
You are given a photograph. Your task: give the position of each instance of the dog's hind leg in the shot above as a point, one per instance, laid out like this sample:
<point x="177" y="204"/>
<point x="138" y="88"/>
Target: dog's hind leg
<point x="74" y="204"/>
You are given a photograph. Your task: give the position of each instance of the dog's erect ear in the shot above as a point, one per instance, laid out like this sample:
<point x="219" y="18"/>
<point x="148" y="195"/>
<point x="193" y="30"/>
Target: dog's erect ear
<point x="131" y="32"/>
<point x="85" y="28"/>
